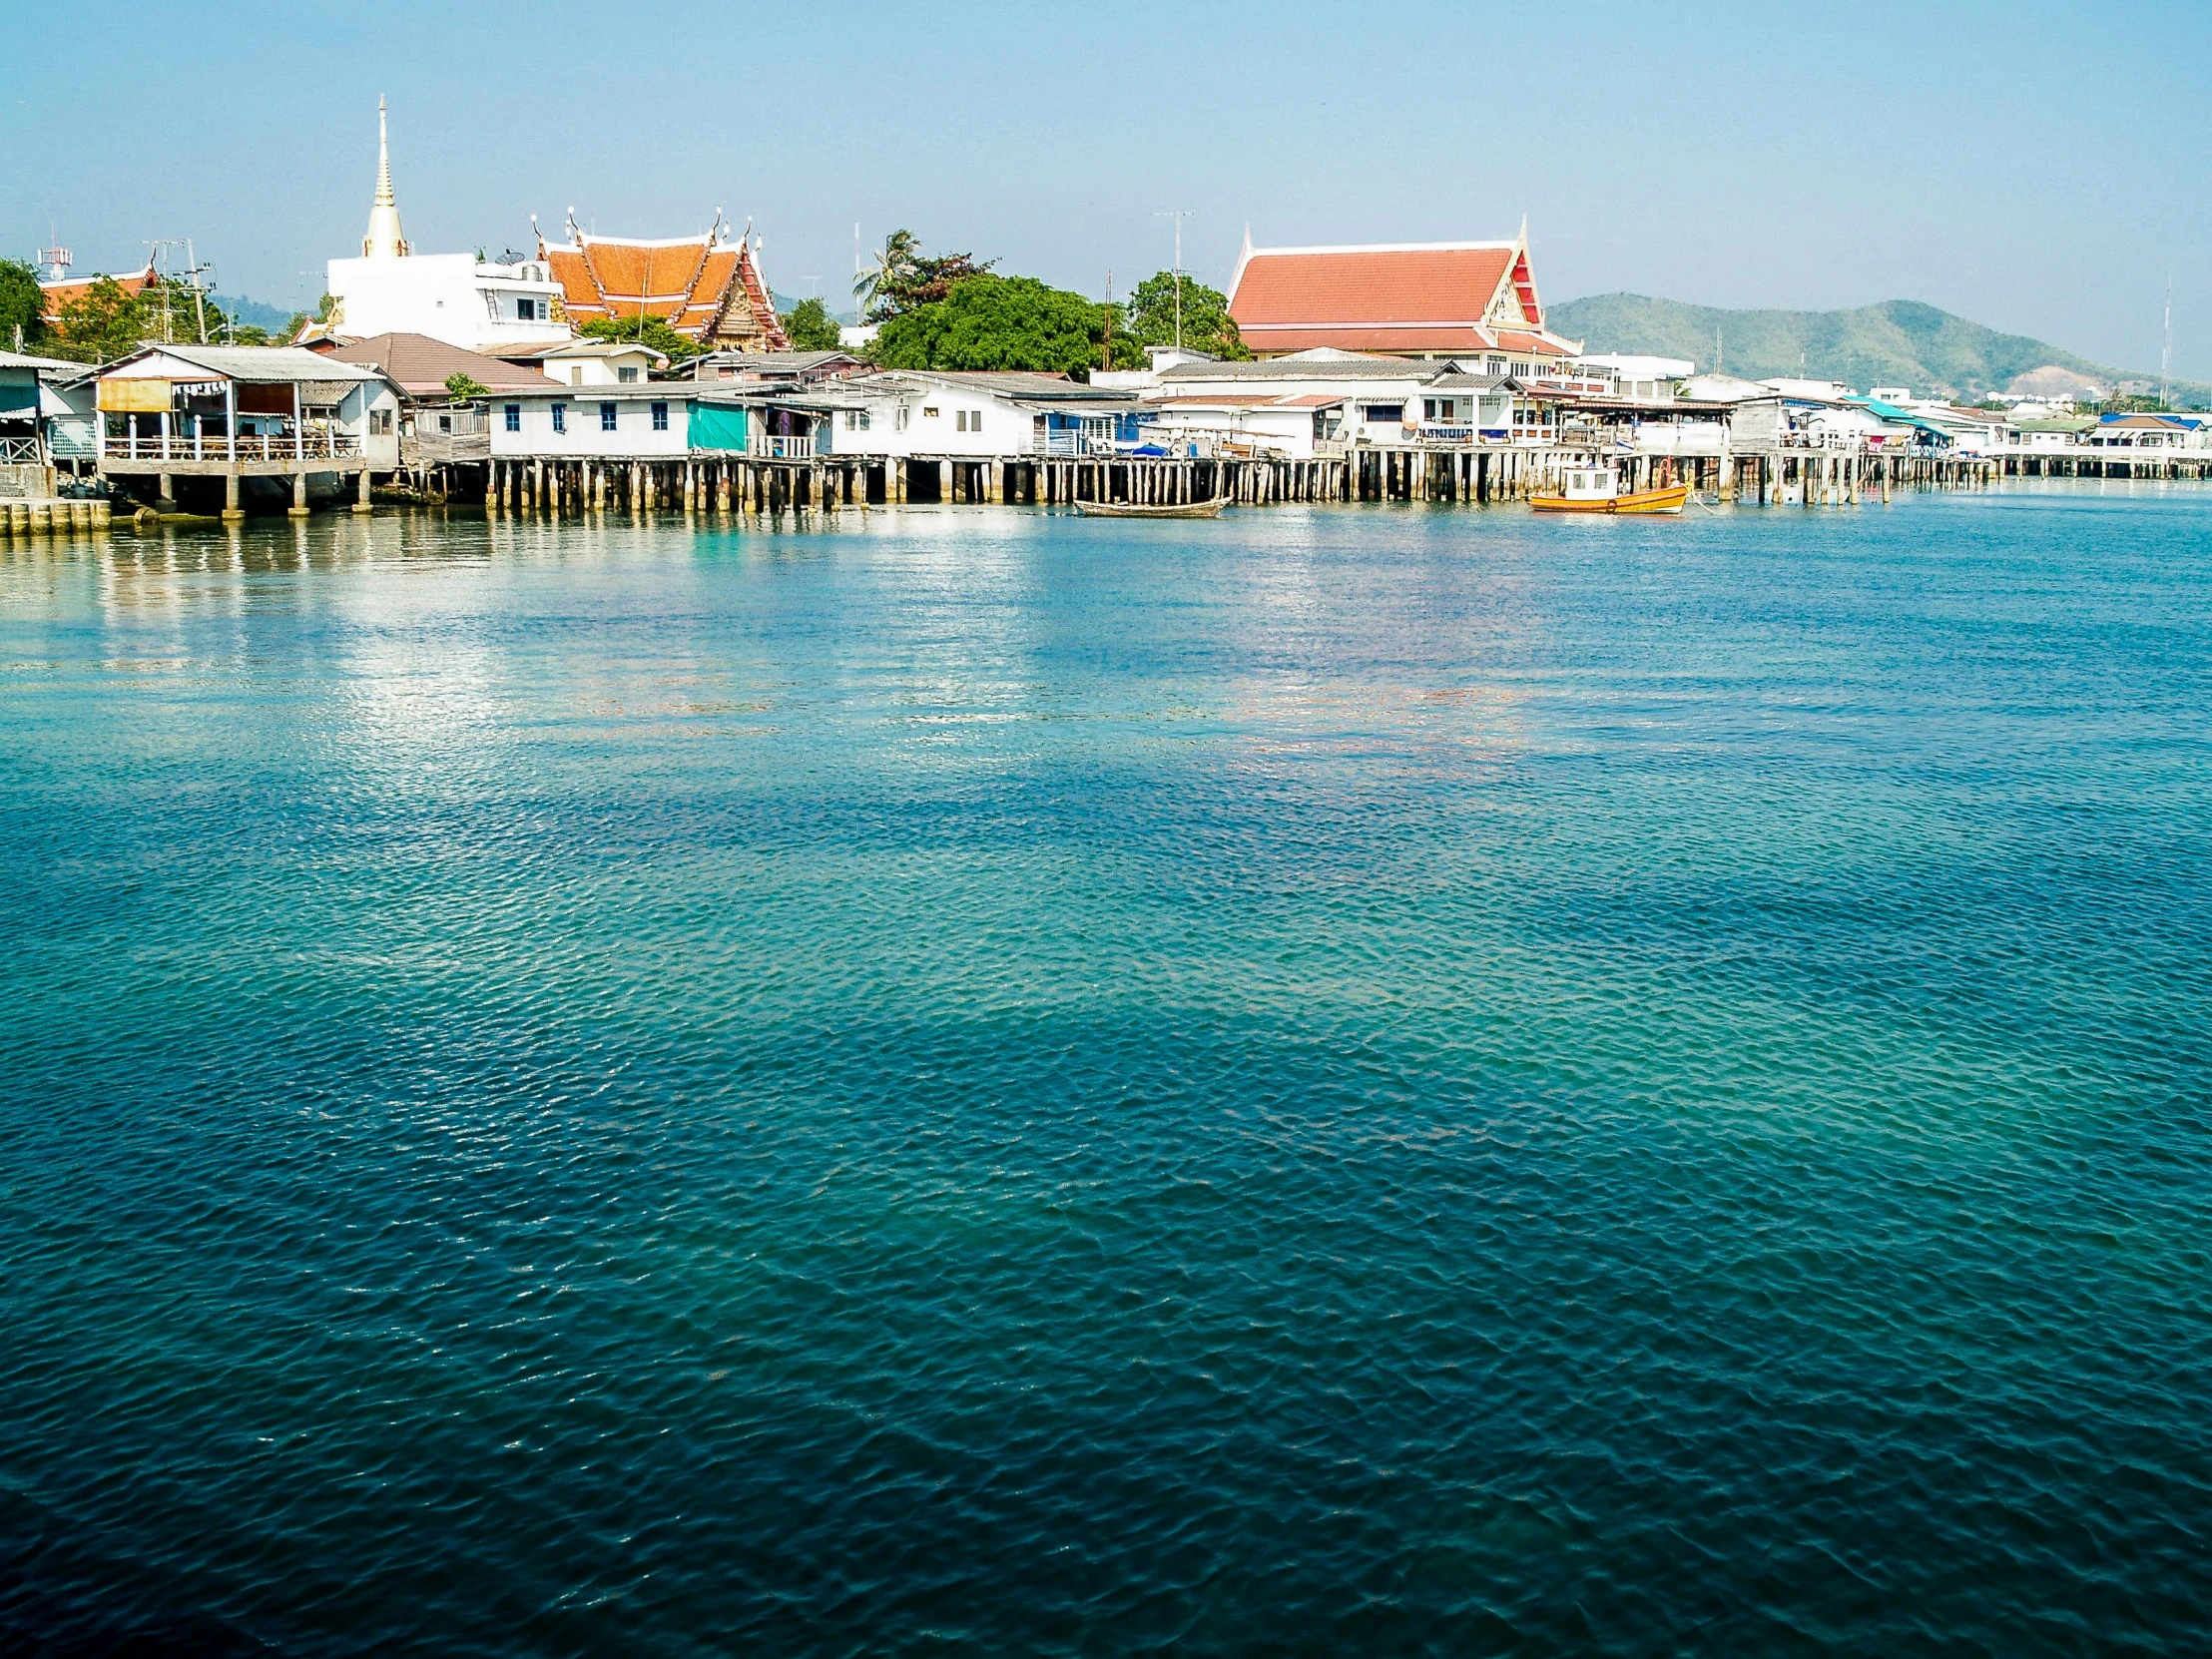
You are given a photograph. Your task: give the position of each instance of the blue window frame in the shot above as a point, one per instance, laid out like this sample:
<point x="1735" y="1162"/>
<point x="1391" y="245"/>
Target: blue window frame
<point x="514" y="417"/>
<point x="560" y="417"/>
<point x="606" y="417"/>
<point x="660" y="418"/>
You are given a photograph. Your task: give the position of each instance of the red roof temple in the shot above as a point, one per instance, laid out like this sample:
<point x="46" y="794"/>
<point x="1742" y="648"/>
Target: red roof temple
<point x="1426" y="300"/>
<point x="703" y="287"/>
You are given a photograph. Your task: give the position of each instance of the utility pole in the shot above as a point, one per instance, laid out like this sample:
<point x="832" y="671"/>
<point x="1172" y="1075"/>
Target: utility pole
<point x="2166" y="355"/>
<point x="1106" y="346"/>
<point x="199" y="293"/>
<point x="1178" y="215"/>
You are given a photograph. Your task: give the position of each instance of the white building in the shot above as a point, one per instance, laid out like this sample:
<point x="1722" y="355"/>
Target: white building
<point x="460" y="298"/>
<point x="649" y="421"/>
<point x="1645" y="379"/>
<point x="905" y="413"/>
<point x="598" y="362"/>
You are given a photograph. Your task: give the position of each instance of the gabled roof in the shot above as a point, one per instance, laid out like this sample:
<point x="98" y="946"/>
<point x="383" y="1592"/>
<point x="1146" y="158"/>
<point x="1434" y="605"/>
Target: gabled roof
<point x="1393" y="296"/>
<point x="261" y="365"/>
<point x="702" y="286"/>
<point x="419" y="366"/>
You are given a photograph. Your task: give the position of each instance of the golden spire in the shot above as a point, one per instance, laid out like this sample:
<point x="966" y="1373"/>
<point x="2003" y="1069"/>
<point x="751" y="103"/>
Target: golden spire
<point x="383" y="241"/>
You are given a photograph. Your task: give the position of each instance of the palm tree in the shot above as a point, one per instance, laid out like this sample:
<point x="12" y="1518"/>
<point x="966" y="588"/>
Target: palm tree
<point x="901" y="249"/>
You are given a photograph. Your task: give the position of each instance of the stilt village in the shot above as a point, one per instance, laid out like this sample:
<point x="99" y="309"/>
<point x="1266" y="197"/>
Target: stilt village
<point x="1402" y="373"/>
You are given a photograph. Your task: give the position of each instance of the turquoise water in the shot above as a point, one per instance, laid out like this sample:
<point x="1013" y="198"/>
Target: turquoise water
<point x="1352" y="1081"/>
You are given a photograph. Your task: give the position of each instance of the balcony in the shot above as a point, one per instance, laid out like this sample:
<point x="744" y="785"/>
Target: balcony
<point x="26" y="451"/>
<point x="776" y="446"/>
<point x="291" y="446"/>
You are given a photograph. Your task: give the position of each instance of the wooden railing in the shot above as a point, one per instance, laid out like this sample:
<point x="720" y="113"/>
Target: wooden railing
<point x="22" y="453"/>
<point x="783" y="447"/>
<point x="293" y="446"/>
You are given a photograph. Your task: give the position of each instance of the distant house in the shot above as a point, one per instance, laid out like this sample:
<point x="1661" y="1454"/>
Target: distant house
<point x="706" y="288"/>
<point x="906" y="415"/>
<point x="777" y="368"/>
<point x="34" y="400"/>
<point x="228" y="413"/>
<point x="435" y="429"/>
<point x="2149" y="432"/>
<point x="1470" y="301"/>
<point x="601" y="362"/>
<point x="1371" y="399"/>
<point x="638" y="422"/>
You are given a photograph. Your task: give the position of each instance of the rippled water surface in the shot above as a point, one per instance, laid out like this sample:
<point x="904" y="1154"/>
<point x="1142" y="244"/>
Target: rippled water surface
<point x="1354" y="1081"/>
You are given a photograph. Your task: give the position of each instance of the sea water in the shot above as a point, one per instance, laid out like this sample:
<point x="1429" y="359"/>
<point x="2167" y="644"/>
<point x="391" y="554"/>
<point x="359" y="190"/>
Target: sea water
<point x="1334" y="1081"/>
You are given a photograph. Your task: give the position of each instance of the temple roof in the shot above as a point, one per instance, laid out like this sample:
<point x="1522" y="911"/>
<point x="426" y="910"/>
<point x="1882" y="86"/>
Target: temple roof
<point x="1395" y="296"/>
<point x="702" y="286"/>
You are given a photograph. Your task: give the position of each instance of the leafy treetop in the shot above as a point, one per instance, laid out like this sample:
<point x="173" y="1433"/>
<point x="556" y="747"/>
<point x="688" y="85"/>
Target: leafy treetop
<point x="1004" y="323"/>
<point x="22" y="306"/>
<point x="905" y="279"/>
<point x="103" y="324"/>
<point x="811" y="327"/>
<point x="1207" y="324"/>
<point x="460" y="385"/>
<point x="644" y="330"/>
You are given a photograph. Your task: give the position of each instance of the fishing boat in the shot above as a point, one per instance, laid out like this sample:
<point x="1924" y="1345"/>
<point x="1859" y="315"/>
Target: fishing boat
<point x="1173" y="509"/>
<point x="1597" y="490"/>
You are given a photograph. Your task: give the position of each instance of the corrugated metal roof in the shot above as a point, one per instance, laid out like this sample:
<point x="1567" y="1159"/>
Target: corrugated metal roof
<point x="17" y="360"/>
<point x="262" y="364"/>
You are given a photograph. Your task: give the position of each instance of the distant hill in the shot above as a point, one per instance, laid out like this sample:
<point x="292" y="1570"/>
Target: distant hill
<point x="253" y="314"/>
<point x="1899" y="342"/>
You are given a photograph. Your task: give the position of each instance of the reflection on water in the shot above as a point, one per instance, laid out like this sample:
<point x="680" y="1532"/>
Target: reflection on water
<point x="1350" y="1080"/>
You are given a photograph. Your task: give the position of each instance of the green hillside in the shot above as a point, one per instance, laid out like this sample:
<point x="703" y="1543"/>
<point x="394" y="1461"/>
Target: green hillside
<point x="1899" y="342"/>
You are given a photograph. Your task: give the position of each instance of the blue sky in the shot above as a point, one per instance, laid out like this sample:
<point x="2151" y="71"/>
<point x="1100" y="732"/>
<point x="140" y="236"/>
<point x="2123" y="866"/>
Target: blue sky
<point x="2040" y="168"/>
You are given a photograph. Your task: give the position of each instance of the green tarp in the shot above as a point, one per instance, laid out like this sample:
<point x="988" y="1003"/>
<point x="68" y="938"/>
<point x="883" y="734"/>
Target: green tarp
<point x="18" y="394"/>
<point x="717" y="426"/>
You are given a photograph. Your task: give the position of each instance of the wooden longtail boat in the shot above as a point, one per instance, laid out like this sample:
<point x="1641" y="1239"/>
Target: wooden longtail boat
<point x="1598" y="490"/>
<point x="1173" y="509"/>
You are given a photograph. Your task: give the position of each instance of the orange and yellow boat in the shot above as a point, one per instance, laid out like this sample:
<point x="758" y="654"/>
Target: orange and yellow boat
<point x="1598" y="490"/>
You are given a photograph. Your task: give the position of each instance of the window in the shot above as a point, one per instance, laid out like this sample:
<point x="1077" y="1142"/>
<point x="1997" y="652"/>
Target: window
<point x="514" y="417"/>
<point x="526" y="310"/>
<point x="627" y="376"/>
<point x="660" y="418"/>
<point x="560" y="417"/>
<point x="380" y="423"/>
<point x="575" y="374"/>
<point x="900" y="424"/>
<point x="606" y="417"/>
<point x="975" y="420"/>
<point x="929" y="411"/>
<point x="960" y="419"/>
<point x="1497" y="365"/>
<point x="1384" y="412"/>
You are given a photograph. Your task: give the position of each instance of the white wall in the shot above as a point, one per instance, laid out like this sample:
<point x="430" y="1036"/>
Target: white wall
<point x="632" y="439"/>
<point x="448" y="297"/>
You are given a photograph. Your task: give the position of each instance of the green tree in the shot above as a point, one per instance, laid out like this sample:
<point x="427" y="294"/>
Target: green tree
<point x="1207" y="324"/>
<point x="810" y="328"/>
<point x="892" y="263"/>
<point x="174" y="311"/>
<point x="460" y="385"/>
<point x="905" y="280"/>
<point x="105" y="324"/>
<point x="644" y="330"/>
<point x="1004" y="323"/>
<point x="22" y="305"/>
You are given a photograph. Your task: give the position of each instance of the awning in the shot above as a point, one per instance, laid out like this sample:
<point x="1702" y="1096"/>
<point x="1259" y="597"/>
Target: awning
<point x="135" y="396"/>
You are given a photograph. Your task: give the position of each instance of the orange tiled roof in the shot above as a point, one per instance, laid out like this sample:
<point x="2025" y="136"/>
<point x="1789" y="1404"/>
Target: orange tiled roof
<point x="1447" y="296"/>
<point x="701" y="286"/>
<point x="58" y="295"/>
